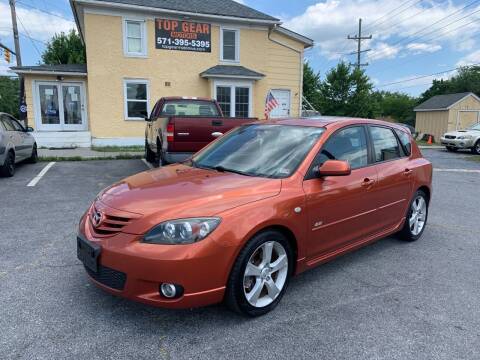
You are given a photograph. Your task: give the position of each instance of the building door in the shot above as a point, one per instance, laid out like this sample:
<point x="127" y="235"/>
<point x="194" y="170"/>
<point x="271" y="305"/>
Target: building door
<point x="60" y="106"/>
<point x="283" y="109"/>
<point x="467" y="118"/>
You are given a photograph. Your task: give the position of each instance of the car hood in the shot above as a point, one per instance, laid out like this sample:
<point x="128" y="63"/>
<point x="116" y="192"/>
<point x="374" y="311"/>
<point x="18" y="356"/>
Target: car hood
<point x="178" y="191"/>
<point x="463" y="133"/>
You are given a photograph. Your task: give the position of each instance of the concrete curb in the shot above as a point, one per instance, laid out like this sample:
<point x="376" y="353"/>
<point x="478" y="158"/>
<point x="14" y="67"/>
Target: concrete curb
<point x="431" y="147"/>
<point x="85" y="153"/>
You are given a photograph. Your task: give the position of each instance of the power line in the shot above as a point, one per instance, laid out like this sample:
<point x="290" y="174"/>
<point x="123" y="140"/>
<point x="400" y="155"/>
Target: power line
<point x="430" y="26"/>
<point x="388" y="13"/>
<point x="28" y="36"/>
<point x="397" y="13"/>
<point x="44" y="11"/>
<point x="425" y="76"/>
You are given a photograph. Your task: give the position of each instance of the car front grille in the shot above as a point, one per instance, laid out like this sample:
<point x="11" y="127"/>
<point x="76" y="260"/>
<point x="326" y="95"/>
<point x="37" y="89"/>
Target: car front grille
<point x="109" y="277"/>
<point x="450" y="137"/>
<point x="108" y="225"/>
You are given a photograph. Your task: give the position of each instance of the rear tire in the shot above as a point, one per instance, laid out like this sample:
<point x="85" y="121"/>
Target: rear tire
<point x="160" y="157"/>
<point x="257" y="290"/>
<point x="451" y="149"/>
<point x="8" y="167"/>
<point x="33" y="159"/>
<point x="149" y="154"/>
<point x="416" y="219"/>
<point x="476" y="148"/>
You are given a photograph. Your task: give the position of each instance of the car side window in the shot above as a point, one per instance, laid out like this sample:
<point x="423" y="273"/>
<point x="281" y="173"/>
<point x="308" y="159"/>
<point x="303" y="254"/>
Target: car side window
<point x="406" y="141"/>
<point x="7" y="123"/>
<point x="17" y="126"/>
<point x="385" y="144"/>
<point x="349" y="144"/>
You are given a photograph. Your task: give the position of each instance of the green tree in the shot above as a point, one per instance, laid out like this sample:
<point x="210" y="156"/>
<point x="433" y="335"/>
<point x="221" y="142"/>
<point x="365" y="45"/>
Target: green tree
<point x="347" y="92"/>
<point x="64" y="49"/>
<point x="397" y="105"/>
<point x="311" y="85"/>
<point x="467" y="79"/>
<point x="9" y="95"/>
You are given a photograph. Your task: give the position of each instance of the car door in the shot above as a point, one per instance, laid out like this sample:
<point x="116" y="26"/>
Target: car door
<point x="12" y="136"/>
<point x="24" y="140"/>
<point x="339" y="207"/>
<point x="395" y="180"/>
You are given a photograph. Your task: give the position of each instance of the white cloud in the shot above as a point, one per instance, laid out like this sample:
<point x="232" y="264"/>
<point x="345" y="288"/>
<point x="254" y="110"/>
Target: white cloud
<point x="473" y="58"/>
<point x="39" y="25"/>
<point x="329" y="22"/>
<point x="418" y="48"/>
<point x="240" y="1"/>
<point x="5" y="68"/>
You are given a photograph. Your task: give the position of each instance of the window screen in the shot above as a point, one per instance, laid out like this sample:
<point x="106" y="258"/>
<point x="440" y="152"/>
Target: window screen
<point x="229" y="45"/>
<point x="137" y="99"/>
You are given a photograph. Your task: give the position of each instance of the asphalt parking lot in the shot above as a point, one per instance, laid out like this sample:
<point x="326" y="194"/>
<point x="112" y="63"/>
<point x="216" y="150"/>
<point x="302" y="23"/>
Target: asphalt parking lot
<point x="390" y="300"/>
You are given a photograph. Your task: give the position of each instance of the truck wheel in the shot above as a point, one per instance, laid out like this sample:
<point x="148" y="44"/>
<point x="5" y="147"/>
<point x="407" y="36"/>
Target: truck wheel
<point x="149" y="154"/>
<point x="476" y="148"/>
<point x="160" y="156"/>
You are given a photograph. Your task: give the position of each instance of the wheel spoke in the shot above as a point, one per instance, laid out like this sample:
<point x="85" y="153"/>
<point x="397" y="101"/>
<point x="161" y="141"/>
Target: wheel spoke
<point x="279" y="264"/>
<point x="412" y="220"/>
<point x="253" y="295"/>
<point x="272" y="289"/>
<point x="267" y="252"/>
<point x="415" y="227"/>
<point x="252" y="270"/>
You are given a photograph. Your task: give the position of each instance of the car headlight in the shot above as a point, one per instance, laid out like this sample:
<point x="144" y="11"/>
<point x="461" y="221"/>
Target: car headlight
<point x="182" y="231"/>
<point x="464" y="137"/>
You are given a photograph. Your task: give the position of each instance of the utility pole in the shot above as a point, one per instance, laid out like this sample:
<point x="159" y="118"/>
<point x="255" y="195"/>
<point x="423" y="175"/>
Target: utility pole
<point x="16" y="39"/>
<point x="359" y="51"/>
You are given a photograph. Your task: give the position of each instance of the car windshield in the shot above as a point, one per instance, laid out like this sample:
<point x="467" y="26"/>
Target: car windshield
<point x="273" y="151"/>
<point x="475" y="127"/>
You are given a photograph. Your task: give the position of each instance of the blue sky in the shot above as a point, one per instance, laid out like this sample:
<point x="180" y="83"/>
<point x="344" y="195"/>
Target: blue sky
<point x="411" y="38"/>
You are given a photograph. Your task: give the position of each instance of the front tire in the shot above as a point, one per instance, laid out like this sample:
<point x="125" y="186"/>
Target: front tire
<point x="476" y="148"/>
<point x="416" y="219"/>
<point x="8" y="167"/>
<point x="149" y="154"/>
<point x="33" y="159"/>
<point x="260" y="275"/>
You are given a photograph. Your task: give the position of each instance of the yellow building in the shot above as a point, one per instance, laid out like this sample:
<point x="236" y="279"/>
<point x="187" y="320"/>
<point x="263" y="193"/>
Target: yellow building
<point x="443" y="113"/>
<point x="141" y="50"/>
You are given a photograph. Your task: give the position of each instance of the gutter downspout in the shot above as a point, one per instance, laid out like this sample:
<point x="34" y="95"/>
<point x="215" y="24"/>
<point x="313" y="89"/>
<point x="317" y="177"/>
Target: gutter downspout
<point x="300" y="94"/>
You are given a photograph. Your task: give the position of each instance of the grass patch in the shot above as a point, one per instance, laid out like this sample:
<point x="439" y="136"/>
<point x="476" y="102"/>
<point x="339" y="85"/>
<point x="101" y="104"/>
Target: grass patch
<point x="80" y="158"/>
<point x="135" y="148"/>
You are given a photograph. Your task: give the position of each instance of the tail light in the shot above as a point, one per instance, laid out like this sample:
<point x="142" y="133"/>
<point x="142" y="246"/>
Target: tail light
<point x="170" y="132"/>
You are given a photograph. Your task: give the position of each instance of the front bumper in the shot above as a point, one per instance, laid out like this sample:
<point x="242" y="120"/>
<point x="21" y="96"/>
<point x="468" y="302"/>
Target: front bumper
<point x="135" y="270"/>
<point x="457" y="143"/>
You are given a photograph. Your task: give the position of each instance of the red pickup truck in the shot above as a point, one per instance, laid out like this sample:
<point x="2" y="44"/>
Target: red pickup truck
<point x="179" y="127"/>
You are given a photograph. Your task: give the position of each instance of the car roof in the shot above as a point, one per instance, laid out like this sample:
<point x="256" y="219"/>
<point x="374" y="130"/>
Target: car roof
<point x="327" y="121"/>
<point x="176" y="98"/>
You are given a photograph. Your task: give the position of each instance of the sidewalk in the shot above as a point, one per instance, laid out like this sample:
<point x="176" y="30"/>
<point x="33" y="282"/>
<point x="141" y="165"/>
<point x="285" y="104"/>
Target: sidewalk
<point x="86" y="154"/>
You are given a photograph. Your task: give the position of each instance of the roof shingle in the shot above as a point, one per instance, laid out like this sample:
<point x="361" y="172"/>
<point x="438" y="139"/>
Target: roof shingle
<point x="442" y="102"/>
<point x="231" y="71"/>
<point x="60" y="68"/>
<point x="212" y="7"/>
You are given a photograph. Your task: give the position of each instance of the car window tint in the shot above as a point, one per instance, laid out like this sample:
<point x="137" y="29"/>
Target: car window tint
<point x="7" y="123"/>
<point x="16" y="125"/>
<point x="406" y="142"/>
<point x="349" y="144"/>
<point x="189" y="108"/>
<point x="385" y="143"/>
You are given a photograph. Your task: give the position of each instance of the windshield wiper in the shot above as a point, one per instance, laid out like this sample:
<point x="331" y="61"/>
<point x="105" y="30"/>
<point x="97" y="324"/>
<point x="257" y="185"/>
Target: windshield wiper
<point x="222" y="169"/>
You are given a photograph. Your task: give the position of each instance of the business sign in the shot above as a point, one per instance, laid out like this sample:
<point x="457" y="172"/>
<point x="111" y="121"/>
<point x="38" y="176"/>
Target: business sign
<point x="182" y="35"/>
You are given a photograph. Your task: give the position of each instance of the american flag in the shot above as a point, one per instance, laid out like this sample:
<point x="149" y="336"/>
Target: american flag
<point x="270" y="104"/>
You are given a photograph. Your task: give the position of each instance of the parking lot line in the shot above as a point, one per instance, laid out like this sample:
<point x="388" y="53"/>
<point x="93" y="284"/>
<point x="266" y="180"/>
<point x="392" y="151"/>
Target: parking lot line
<point x="37" y="178"/>
<point x="150" y="166"/>
<point x="459" y="170"/>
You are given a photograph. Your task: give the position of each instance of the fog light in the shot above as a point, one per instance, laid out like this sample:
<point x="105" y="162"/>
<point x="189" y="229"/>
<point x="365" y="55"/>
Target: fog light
<point x="168" y="290"/>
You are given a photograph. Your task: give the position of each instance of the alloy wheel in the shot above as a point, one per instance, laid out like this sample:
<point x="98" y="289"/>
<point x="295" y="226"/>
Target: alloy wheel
<point x="477" y="148"/>
<point x="418" y="215"/>
<point x="265" y="274"/>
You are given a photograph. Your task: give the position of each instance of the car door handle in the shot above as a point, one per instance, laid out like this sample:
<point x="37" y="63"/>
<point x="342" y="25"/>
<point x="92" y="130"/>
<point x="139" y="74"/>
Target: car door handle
<point x="217" y="134"/>
<point x="407" y="172"/>
<point x="367" y="182"/>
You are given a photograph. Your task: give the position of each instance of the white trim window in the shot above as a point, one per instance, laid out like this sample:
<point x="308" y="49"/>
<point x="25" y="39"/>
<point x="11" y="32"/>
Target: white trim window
<point x="134" y="38"/>
<point x="235" y="99"/>
<point x="230" y="45"/>
<point x="137" y="99"/>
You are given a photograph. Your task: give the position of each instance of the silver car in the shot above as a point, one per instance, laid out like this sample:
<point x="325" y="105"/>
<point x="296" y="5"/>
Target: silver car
<point x="16" y="144"/>
<point x="463" y="139"/>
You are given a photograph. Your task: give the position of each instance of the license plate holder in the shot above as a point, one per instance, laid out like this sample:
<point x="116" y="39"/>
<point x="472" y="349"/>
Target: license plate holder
<point x="88" y="253"/>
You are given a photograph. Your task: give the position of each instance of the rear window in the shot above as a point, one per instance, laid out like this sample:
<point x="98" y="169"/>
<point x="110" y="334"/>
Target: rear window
<point x="406" y="142"/>
<point x="189" y="108"/>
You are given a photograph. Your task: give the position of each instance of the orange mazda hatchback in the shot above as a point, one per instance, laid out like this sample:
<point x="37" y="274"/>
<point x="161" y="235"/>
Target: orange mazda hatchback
<point x="262" y="203"/>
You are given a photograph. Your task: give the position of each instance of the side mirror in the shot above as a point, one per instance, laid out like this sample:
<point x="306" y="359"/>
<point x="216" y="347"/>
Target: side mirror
<point x="30" y="129"/>
<point x="334" y="168"/>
